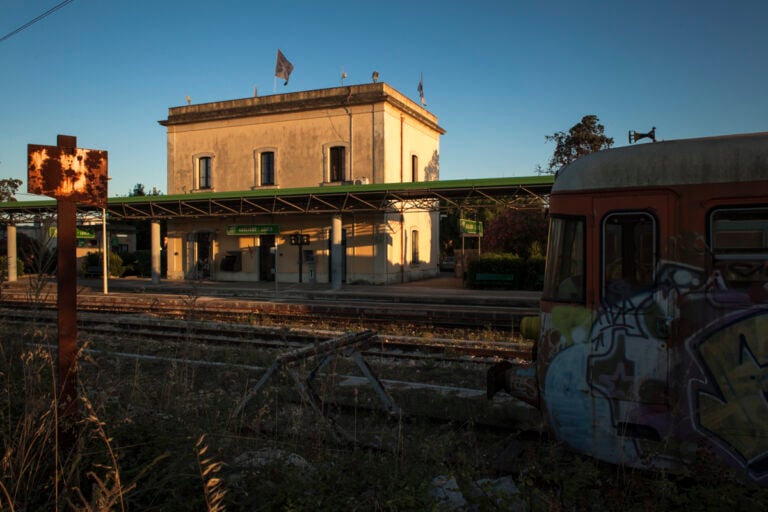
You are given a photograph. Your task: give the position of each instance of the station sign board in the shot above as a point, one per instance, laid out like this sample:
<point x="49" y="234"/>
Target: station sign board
<point x="253" y="229"/>
<point x="470" y="227"/>
<point x="82" y="233"/>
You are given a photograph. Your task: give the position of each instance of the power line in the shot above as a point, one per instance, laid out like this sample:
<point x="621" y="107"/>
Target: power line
<point x="32" y="22"/>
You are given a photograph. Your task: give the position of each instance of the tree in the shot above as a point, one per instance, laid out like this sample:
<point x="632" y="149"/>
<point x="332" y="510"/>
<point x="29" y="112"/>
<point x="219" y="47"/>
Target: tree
<point x="138" y="191"/>
<point x="583" y="138"/>
<point x="515" y="231"/>
<point x="8" y="189"/>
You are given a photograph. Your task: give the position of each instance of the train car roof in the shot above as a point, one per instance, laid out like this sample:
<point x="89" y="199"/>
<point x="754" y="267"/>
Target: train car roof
<point x="731" y="158"/>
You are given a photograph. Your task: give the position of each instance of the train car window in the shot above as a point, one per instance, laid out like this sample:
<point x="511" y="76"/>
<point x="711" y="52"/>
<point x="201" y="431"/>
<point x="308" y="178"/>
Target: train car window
<point x="739" y="241"/>
<point x="564" y="277"/>
<point x="629" y="255"/>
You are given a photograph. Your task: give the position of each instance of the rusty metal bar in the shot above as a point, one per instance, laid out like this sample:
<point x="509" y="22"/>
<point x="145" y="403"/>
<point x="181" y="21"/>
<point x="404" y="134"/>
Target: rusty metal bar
<point x="348" y="345"/>
<point x="67" y="308"/>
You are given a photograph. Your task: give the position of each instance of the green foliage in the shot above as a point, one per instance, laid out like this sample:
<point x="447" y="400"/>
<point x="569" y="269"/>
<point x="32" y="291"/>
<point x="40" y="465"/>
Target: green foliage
<point x="139" y="191"/>
<point x="583" y="138"/>
<point x="533" y="278"/>
<point x="528" y="273"/>
<point x="8" y="189"/>
<point x="516" y="231"/>
<point x="115" y="265"/>
<point x="4" y="268"/>
<point x="138" y="263"/>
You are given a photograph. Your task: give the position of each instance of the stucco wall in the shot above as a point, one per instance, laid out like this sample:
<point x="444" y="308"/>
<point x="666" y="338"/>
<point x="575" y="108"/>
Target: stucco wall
<point x="381" y="130"/>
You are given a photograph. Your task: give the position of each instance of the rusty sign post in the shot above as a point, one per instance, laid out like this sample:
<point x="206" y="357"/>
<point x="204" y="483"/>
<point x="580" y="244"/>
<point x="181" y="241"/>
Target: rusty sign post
<point x="69" y="175"/>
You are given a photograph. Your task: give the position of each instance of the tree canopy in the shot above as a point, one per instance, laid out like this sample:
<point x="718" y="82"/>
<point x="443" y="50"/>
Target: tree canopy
<point x="8" y="189"/>
<point x="515" y="231"/>
<point x="583" y="138"/>
<point x="138" y="191"/>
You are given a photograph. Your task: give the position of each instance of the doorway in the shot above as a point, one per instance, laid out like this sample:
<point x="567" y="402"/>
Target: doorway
<point x="203" y="254"/>
<point x="266" y="258"/>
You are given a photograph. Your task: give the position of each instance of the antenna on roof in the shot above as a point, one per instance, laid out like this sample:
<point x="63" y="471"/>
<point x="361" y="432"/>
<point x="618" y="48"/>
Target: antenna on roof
<point x="189" y="100"/>
<point x="343" y="76"/>
<point x="375" y="76"/>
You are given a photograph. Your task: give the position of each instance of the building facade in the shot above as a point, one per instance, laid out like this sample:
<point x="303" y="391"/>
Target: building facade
<point x="352" y="135"/>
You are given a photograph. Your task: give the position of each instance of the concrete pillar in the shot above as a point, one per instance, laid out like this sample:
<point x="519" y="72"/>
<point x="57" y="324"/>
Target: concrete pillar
<point x="336" y="256"/>
<point x="155" y="251"/>
<point x="11" y="246"/>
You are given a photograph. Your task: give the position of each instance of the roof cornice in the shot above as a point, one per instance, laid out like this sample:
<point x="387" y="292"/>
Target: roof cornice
<point x="336" y="97"/>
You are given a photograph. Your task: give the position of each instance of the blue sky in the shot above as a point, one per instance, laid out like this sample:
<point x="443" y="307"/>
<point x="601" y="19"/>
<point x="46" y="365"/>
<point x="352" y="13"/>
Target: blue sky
<point x="499" y="75"/>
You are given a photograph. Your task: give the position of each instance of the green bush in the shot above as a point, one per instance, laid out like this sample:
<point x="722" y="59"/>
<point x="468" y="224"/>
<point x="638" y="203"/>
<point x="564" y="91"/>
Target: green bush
<point x="527" y="274"/>
<point x="115" y="265"/>
<point x="4" y="268"/>
<point x="138" y="263"/>
<point x="500" y="264"/>
<point x="534" y="273"/>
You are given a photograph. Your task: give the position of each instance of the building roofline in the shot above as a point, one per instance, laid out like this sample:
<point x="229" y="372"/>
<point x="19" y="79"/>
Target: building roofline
<point x="345" y="96"/>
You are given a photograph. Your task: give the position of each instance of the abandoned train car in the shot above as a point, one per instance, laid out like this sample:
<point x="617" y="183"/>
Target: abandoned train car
<point x="653" y="334"/>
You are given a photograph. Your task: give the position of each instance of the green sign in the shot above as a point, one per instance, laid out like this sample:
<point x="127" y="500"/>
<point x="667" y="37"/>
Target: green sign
<point x="53" y="232"/>
<point x="253" y="229"/>
<point x="470" y="227"/>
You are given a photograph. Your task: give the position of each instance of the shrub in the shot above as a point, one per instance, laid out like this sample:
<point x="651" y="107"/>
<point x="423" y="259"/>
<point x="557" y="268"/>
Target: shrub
<point x="500" y="264"/>
<point x="4" y="268"/>
<point x="138" y="263"/>
<point x="527" y="274"/>
<point x="115" y="265"/>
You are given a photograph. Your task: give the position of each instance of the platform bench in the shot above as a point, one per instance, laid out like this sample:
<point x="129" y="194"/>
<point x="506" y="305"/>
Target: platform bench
<point x="491" y="278"/>
<point x="93" y="271"/>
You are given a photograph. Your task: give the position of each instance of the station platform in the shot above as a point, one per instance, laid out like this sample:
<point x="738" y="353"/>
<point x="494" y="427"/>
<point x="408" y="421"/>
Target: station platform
<point x="444" y="289"/>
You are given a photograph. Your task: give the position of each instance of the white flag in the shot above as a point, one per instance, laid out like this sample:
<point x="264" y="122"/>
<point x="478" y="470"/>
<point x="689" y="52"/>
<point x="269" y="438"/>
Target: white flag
<point x="283" y="68"/>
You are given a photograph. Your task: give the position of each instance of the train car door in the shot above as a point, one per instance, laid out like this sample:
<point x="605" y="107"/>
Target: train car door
<point x="630" y="340"/>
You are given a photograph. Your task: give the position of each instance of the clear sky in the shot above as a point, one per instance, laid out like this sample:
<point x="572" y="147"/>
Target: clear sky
<point x="499" y="75"/>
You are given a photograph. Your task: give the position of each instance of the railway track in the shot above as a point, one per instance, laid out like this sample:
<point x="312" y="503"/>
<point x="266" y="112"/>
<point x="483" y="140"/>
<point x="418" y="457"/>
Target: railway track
<point x="148" y="327"/>
<point x="334" y="312"/>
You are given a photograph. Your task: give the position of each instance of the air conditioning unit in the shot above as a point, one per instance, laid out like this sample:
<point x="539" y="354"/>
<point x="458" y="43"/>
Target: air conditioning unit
<point x="362" y="180"/>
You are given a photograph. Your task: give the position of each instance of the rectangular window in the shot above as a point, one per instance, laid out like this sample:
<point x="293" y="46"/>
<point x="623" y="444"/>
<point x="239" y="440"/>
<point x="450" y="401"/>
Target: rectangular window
<point x="414" y="168"/>
<point x="415" y="247"/>
<point x="629" y="254"/>
<point x="204" y="172"/>
<point x="564" y="276"/>
<point x="739" y="241"/>
<point x="337" y="159"/>
<point x="267" y="168"/>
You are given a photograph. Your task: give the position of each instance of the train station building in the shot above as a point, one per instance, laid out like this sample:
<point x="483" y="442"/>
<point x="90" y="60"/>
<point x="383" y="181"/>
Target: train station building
<point x="337" y="185"/>
<point x="344" y="136"/>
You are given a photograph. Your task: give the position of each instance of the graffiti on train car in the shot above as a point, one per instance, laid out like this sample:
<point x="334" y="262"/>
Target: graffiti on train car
<point x="605" y="384"/>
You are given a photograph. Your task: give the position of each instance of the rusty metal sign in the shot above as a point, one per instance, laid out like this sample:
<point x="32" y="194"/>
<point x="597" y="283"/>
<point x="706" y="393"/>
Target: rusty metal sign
<point x="68" y="173"/>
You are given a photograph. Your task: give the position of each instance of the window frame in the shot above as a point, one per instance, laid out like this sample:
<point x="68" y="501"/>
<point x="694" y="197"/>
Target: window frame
<point x="258" y="162"/>
<point x="414" y="168"/>
<point x="337" y="164"/>
<point x="636" y="274"/>
<point x="561" y="284"/>
<point x="739" y="267"/>
<point x="200" y="183"/>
